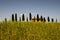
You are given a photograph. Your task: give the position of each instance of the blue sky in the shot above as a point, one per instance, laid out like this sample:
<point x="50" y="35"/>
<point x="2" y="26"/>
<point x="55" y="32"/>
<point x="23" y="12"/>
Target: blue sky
<point x="45" y="8"/>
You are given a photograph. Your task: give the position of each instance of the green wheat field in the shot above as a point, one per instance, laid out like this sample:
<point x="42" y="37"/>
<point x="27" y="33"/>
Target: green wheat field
<point x="29" y="31"/>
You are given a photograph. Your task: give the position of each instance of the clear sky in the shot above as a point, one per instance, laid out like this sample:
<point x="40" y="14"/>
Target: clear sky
<point x="45" y="8"/>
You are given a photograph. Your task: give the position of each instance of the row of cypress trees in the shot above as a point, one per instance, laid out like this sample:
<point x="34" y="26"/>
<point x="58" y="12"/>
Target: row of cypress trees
<point x="14" y="18"/>
<point x="42" y="19"/>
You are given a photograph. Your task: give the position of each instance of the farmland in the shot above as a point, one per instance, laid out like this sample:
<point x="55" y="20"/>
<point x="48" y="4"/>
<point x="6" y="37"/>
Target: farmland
<point x="29" y="31"/>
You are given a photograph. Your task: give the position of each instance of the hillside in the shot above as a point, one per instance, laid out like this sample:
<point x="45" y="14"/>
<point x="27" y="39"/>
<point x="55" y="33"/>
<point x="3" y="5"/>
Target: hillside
<point x="29" y="31"/>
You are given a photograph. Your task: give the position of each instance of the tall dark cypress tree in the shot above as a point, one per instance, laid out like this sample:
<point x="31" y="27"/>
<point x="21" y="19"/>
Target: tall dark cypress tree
<point x="37" y="17"/>
<point x="34" y="18"/>
<point x="48" y="19"/>
<point x="56" y="20"/>
<point x="44" y="19"/>
<point x="27" y="19"/>
<point x="20" y="19"/>
<point x="23" y="17"/>
<point x="15" y="16"/>
<point x="12" y="17"/>
<point x="52" y="20"/>
<point x="41" y="18"/>
<point x="30" y="16"/>
<point x="5" y="19"/>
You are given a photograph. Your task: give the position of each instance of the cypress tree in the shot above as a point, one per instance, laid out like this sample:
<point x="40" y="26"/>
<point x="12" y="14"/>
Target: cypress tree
<point x="37" y="17"/>
<point x="30" y="16"/>
<point x="44" y="19"/>
<point x="41" y="18"/>
<point x="23" y="17"/>
<point x="5" y="19"/>
<point x="19" y="18"/>
<point x="27" y="19"/>
<point x="56" y="20"/>
<point x="34" y="18"/>
<point x="15" y="16"/>
<point x="12" y="17"/>
<point x="52" y="20"/>
<point x="48" y="19"/>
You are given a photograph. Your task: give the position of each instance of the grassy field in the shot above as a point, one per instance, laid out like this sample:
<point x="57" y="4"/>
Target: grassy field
<point x="29" y="31"/>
